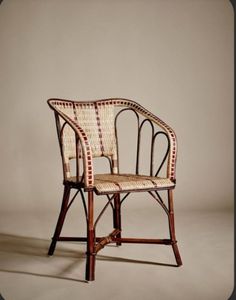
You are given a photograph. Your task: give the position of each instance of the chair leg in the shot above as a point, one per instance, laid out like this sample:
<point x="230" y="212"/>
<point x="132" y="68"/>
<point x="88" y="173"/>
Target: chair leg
<point x="172" y="228"/>
<point x="90" y="261"/>
<point x="117" y="216"/>
<point x="60" y="220"/>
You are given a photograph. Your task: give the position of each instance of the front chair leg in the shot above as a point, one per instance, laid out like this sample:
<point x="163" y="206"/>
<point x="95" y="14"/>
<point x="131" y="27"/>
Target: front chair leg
<point x="117" y="216"/>
<point x="90" y="261"/>
<point x="60" y="220"/>
<point x="172" y="228"/>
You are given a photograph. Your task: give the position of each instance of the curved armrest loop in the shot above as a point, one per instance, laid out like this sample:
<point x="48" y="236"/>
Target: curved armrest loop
<point x="171" y="169"/>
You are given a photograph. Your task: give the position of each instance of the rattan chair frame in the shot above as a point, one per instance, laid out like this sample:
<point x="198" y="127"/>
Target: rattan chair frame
<point x="84" y="184"/>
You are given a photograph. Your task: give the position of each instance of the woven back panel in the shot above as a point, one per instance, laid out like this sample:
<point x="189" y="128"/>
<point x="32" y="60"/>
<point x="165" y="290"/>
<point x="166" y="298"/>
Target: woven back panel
<point x="68" y="136"/>
<point x="97" y="121"/>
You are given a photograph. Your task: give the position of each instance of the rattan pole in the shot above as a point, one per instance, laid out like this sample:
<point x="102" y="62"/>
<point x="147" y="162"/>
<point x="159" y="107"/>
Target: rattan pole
<point x="117" y="216"/>
<point x="172" y="228"/>
<point x="61" y="219"/>
<point x="90" y="263"/>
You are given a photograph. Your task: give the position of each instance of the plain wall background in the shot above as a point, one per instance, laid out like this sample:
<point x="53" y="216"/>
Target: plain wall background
<point x="173" y="57"/>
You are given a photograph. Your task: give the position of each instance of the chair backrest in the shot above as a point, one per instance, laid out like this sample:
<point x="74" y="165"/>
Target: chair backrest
<point x="96" y="121"/>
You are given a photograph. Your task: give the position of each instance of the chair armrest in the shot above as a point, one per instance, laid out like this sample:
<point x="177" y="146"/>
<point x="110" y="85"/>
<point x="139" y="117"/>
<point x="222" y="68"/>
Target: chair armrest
<point x="171" y="164"/>
<point x="85" y="146"/>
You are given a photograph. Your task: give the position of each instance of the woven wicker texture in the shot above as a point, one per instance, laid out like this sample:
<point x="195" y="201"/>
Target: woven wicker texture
<point x="98" y="124"/>
<point x="110" y="183"/>
<point x="68" y="134"/>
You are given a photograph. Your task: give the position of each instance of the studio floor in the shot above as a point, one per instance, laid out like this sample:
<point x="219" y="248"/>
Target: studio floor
<point x="131" y="271"/>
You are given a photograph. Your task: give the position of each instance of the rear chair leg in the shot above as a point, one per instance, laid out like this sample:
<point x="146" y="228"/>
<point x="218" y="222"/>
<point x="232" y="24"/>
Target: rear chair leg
<point x="172" y="228"/>
<point x="60" y="220"/>
<point x="90" y="261"/>
<point x="117" y="216"/>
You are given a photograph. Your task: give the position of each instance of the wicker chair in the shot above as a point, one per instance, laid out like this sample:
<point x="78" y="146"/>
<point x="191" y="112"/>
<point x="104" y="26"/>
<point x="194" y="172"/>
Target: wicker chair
<point x="87" y="130"/>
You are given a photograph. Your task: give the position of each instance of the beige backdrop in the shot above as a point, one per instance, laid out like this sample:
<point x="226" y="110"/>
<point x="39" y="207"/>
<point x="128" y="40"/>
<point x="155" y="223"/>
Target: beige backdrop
<point x="174" y="57"/>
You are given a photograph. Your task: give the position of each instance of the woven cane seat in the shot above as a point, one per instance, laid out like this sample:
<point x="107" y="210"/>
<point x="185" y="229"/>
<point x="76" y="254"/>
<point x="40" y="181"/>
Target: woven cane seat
<point x="112" y="183"/>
